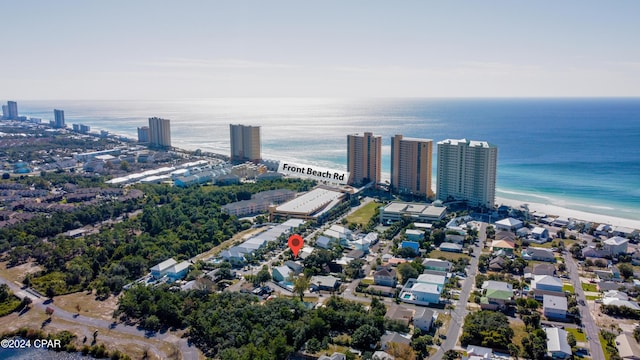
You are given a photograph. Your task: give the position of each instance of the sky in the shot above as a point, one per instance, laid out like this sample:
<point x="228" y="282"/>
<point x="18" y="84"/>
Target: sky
<point x="158" y="49"/>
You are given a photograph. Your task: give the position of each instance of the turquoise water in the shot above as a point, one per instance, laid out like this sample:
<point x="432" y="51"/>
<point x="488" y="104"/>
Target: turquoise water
<point x="582" y="154"/>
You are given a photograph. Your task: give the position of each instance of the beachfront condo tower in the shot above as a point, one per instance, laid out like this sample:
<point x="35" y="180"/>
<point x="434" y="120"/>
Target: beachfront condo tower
<point x="159" y="132"/>
<point x="467" y="171"/>
<point x="411" y="166"/>
<point x="58" y="121"/>
<point x="143" y="134"/>
<point x="364" y="158"/>
<point x="245" y="143"/>
<point x="10" y="111"/>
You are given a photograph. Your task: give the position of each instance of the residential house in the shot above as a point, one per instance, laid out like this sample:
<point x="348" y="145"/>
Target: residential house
<point x="509" y="224"/>
<point x="385" y="277"/>
<point x="393" y="337"/>
<point x="616" y="245"/>
<point x="540" y="233"/>
<point x="381" y="355"/>
<point x="451" y="247"/>
<point x="523" y="232"/>
<point x="424" y="318"/>
<point x="325" y="242"/>
<point x="334" y="356"/>
<point x="294" y="266"/>
<point x="505" y="235"/>
<point x="281" y="273"/>
<point x="497" y="263"/>
<point x="538" y="254"/>
<point x="617" y="302"/>
<point x="327" y="283"/>
<point x="362" y="244"/>
<point x="163" y="268"/>
<point x="544" y="269"/>
<point x="414" y="235"/>
<point x="624" y="232"/>
<point x="340" y="232"/>
<point x="496" y="295"/>
<point x="610" y="274"/>
<point x="178" y="271"/>
<point x="421" y="292"/>
<point x="436" y="265"/>
<point x="411" y="244"/>
<point x="504" y="246"/>
<point x="545" y="284"/>
<point x="475" y="352"/>
<point x="400" y="314"/>
<point x="554" y="307"/>
<point x="435" y="279"/>
<point x="455" y="238"/>
<point x="557" y="345"/>
<point x="628" y="347"/>
<point x="602" y="229"/>
<point x="594" y="252"/>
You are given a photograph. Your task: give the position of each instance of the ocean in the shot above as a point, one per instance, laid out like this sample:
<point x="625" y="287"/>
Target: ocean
<point x="581" y="154"/>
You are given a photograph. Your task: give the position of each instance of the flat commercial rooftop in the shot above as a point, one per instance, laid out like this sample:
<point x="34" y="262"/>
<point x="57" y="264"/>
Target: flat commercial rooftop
<point x="310" y="202"/>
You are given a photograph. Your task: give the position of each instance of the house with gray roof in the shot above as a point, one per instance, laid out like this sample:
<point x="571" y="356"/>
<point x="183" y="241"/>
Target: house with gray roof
<point x="557" y="344"/>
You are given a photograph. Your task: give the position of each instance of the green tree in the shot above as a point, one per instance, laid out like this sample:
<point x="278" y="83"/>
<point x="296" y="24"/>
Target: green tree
<point x="407" y="272"/>
<point x="626" y="270"/>
<point x="300" y="285"/>
<point x="364" y="336"/>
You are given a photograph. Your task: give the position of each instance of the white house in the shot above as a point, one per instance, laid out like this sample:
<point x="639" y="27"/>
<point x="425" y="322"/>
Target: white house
<point x="538" y="254"/>
<point x="509" y="224"/>
<point x="628" y="348"/>
<point x="163" y="268"/>
<point x="554" y="307"/>
<point x="424" y="318"/>
<point x="427" y="293"/>
<point x="616" y="245"/>
<point x="540" y="233"/>
<point x="414" y="234"/>
<point x="557" y="344"/>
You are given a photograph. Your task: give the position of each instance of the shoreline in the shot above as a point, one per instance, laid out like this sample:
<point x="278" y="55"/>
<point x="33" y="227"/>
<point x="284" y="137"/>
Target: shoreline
<point x="570" y="213"/>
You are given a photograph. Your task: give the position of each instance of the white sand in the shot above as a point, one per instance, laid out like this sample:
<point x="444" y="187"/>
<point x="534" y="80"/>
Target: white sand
<point x="569" y="213"/>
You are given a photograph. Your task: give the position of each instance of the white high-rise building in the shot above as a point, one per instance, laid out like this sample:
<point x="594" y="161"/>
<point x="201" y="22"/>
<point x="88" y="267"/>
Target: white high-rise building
<point x="159" y="132"/>
<point x="245" y="143"/>
<point x="467" y="171"/>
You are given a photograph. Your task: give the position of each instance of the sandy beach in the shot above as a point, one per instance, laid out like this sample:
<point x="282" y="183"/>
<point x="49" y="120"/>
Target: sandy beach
<point x="569" y="213"/>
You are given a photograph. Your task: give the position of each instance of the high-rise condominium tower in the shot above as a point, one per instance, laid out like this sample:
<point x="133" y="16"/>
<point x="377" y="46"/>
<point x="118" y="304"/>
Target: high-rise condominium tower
<point x="11" y="110"/>
<point x="143" y="134"/>
<point x="159" y="132"/>
<point x="245" y="143"/>
<point x="467" y="171"/>
<point x="58" y="119"/>
<point x="411" y="165"/>
<point x="364" y="155"/>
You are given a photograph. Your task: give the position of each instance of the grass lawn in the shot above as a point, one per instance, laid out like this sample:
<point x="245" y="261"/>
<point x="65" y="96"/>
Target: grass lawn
<point x="591" y="297"/>
<point x="568" y="287"/>
<point x="589" y="287"/>
<point x="603" y="344"/>
<point x="436" y="254"/>
<point x="519" y="333"/>
<point x="364" y="214"/>
<point x="580" y="336"/>
<point x="9" y="305"/>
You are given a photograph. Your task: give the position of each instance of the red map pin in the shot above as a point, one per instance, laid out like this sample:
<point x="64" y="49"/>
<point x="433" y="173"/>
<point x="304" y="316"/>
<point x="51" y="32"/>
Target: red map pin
<point x="295" y="243"/>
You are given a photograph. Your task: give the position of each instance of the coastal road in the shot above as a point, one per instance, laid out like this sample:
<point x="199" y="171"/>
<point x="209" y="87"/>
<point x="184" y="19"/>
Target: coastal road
<point x="589" y="324"/>
<point x="38" y="304"/>
<point x="458" y="314"/>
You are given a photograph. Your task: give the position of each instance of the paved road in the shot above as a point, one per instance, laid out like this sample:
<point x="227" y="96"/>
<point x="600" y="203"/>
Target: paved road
<point x="591" y="329"/>
<point x="460" y="311"/>
<point x="188" y="351"/>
